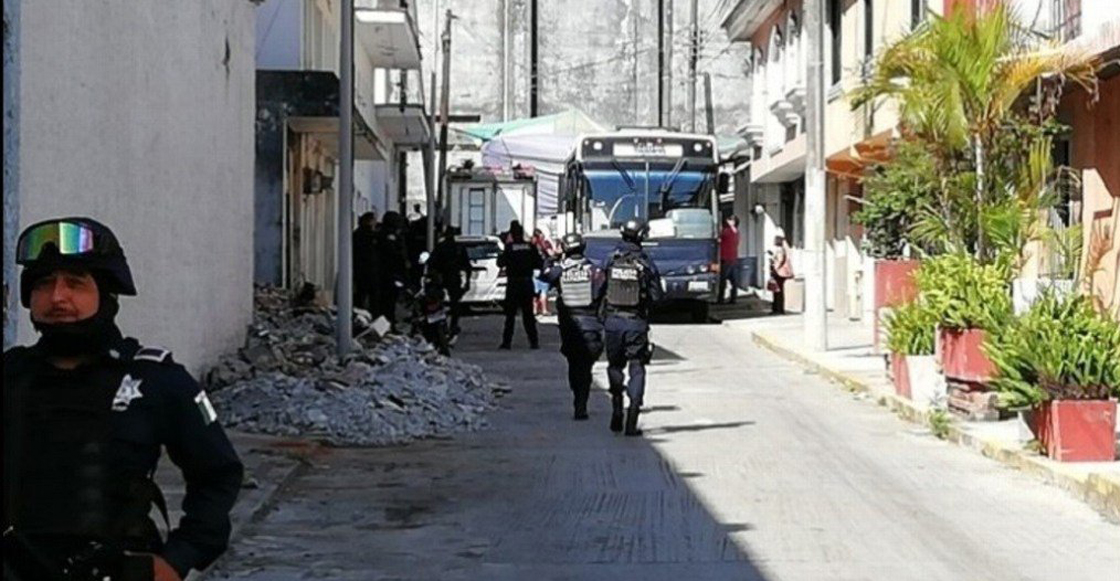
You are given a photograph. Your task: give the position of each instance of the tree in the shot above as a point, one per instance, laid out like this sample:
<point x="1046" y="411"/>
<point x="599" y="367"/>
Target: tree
<point x="959" y="82"/>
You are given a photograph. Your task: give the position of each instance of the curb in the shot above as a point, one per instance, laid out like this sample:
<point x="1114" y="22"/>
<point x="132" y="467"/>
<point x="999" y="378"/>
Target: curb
<point x="1099" y="491"/>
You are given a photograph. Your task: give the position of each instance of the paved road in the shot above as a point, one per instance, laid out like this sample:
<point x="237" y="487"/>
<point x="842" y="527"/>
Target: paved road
<point x="750" y="469"/>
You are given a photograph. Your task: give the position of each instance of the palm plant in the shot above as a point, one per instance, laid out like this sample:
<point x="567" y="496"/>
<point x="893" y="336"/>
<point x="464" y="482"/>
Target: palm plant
<point x="958" y="81"/>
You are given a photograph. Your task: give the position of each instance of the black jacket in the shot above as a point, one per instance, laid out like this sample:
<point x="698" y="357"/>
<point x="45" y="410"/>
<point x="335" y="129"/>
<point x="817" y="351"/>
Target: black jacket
<point x="451" y="261"/>
<point x="520" y="259"/>
<point x="149" y="402"/>
<point x="364" y="241"/>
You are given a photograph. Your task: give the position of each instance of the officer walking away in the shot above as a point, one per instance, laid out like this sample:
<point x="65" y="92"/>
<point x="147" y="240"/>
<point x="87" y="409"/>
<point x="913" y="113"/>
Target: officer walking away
<point x="86" y="412"/>
<point x="451" y="261"/>
<point x="519" y="259"/>
<point x="364" y="248"/>
<point x="580" y="285"/>
<point x="632" y="286"/>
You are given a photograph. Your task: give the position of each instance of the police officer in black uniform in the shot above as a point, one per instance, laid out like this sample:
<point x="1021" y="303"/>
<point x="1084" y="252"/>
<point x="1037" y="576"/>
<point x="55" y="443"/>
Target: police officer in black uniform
<point x="86" y="412"/>
<point x="632" y="286"/>
<point x="519" y="259"/>
<point x="580" y="285"/>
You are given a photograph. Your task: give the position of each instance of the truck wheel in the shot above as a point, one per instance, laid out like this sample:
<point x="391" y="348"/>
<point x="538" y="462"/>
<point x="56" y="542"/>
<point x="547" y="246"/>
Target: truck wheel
<point x="699" y="312"/>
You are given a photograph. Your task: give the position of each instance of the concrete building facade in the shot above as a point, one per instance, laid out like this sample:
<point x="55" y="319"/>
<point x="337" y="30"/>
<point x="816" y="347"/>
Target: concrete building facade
<point x="772" y="122"/>
<point x="297" y="128"/>
<point x="139" y="114"/>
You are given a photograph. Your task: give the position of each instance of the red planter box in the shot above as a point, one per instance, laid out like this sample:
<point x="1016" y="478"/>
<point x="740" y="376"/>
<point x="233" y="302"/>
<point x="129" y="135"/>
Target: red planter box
<point x="900" y="375"/>
<point x="894" y="285"/>
<point x="1076" y="430"/>
<point x="961" y="356"/>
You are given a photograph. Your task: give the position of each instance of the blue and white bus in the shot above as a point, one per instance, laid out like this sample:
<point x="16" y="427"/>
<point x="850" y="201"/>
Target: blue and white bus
<point x="672" y="181"/>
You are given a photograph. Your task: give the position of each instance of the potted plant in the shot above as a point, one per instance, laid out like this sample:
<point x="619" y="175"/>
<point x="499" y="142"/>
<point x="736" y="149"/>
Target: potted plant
<point x="968" y="300"/>
<point x="911" y="331"/>
<point x="1061" y="360"/>
<point x="894" y="194"/>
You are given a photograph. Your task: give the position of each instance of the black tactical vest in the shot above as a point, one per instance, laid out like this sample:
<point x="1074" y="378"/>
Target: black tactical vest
<point x="624" y="281"/>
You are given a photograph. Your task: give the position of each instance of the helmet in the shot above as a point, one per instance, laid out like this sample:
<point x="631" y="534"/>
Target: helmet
<point x="572" y="243"/>
<point x="73" y="243"/>
<point x="634" y="230"/>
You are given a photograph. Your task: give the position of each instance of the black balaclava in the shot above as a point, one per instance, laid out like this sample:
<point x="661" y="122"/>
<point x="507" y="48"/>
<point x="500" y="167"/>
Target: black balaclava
<point x="89" y="336"/>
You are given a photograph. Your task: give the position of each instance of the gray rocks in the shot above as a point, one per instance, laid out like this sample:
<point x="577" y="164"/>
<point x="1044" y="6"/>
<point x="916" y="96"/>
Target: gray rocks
<point x="286" y="381"/>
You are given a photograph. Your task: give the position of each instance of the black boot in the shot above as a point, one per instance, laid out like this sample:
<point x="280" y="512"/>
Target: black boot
<point x="616" y="413"/>
<point x="580" y="411"/>
<point x="632" y="422"/>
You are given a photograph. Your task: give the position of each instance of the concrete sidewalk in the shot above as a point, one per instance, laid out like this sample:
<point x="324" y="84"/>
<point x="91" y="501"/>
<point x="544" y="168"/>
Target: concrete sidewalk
<point x="270" y="463"/>
<point x="851" y="361"/>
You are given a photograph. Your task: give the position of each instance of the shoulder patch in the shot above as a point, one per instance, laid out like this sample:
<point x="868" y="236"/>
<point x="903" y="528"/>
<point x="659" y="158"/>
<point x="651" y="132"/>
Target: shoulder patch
<point x="156" y="354"/>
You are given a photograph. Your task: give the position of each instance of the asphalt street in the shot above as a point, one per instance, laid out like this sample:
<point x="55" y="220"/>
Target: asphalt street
<point x="750" y="469"/>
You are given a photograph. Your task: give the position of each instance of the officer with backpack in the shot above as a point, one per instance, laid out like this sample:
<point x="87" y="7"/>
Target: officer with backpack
<point x="86" y="414"/>
<point x="580" y="285"/>
<point x="632" y="286"/>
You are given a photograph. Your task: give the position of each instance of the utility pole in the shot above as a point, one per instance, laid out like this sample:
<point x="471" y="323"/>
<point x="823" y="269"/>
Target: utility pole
<point x="708" y="112"/>
<point x="534" y="40"/>
<point x="11" y="164"/>
<point x="505" y="60"/>
<point x="661" y="63"/>
<point x="344" y="297"/>
<point x="429" y="167"/>
<point x="669" y="66"/>
<point x="693" y="56"/>
<point x="815" y="317"/>
<point x="444" y="108"/>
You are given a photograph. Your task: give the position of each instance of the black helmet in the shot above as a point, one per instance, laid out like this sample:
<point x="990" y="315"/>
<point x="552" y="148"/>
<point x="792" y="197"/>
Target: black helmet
<point x="73" y="243"/>
<point x="572" y="243"/>
<point x="634" y="230"/>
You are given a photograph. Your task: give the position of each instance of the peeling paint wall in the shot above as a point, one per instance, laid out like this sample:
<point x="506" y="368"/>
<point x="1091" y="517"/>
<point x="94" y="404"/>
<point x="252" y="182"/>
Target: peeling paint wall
<point x="11" y="164"/>
<point x="140" y="113"/>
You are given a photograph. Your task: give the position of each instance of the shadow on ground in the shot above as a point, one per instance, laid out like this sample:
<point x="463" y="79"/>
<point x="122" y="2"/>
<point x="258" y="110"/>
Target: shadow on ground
<point x="536" y="497"/>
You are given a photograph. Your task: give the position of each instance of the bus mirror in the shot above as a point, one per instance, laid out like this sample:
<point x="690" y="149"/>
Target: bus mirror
<point x="723" y="183"/>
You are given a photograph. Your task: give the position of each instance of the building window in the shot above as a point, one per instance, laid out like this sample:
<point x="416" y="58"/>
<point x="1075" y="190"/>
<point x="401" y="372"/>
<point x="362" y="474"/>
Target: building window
<point x="917" y="13"/>
<point x="868" y="28"/>
<point x="834" y="12"/>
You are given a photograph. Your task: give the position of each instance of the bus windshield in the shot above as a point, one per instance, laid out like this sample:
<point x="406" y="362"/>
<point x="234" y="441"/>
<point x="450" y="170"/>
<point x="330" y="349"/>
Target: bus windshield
<point x="618" y="194"/>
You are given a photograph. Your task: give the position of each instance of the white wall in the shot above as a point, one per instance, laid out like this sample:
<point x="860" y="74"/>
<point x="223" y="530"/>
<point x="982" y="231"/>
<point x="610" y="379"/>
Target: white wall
<point x="140" y="114"/>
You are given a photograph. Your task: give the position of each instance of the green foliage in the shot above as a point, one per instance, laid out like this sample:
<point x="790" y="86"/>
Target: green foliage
<point x="1060" y="349"/>
<point x="958" y="82"/>
<point x="1065" y="245"/>
<point x="961" y="293"/>
<point x="895" y="195"/>
<point x="911" y="329"/>
<point x="939" y="422"/>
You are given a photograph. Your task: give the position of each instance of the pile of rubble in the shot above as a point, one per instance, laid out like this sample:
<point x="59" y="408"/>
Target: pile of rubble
<point x="287" y="381"/>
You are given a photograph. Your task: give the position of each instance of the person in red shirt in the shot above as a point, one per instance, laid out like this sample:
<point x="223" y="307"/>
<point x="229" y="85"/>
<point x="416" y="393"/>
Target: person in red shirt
<point x="729" y="257"/>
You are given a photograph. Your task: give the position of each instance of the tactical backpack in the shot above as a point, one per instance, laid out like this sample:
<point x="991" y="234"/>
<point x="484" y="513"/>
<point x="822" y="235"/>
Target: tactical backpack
<point x="624" y="281"/>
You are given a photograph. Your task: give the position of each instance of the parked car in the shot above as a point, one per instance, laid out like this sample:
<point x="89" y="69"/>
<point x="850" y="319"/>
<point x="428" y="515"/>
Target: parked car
<point x="488" y="282"/>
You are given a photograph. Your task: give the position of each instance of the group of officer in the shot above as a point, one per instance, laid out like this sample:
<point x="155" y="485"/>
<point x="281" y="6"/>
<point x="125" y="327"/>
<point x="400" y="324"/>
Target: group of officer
<point x="607" y="306"/>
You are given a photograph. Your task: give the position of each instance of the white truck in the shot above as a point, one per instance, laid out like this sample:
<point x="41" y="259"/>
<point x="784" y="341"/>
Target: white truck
<point x="483" y="201"/>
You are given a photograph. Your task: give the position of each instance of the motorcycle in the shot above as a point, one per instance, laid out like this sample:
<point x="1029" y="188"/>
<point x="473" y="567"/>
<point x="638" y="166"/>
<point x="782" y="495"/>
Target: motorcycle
<point x="429" y="310"/>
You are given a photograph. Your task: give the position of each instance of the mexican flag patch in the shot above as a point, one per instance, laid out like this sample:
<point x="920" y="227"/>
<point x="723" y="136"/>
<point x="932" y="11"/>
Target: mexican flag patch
<point x="207" y="409"/>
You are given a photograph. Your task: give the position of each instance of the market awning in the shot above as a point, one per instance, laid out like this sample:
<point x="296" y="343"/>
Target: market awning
<point x="570" y="122"/>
